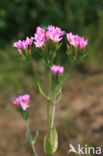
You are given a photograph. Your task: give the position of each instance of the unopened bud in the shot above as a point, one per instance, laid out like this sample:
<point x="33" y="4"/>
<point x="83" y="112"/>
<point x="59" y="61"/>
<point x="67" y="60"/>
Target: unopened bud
<point x="19" y="51"/>
<point x="84" y="50"/>
<point x="67" y="46"/>
<point x="29" y="51"/>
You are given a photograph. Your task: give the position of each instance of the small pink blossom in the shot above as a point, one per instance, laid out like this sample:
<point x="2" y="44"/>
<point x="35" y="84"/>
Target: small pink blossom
<point x="59" y="31"/>
<point x="76" y="40"/>
<point x="54" y="33"/>
<point x="56" y="37"/>
<point x="40" y="30"/>
<point x="69" y="37"/>
<point x="48" y="35"/>
<point x="23" y="45"/>
<point x="73" y="39"/>
<point x="39" y="43"/>
<point x="18" y="44"/>
<point x="51" y="28"/>
<point x="42" y="35"/>
<point x="57" y="70"/>
<point x="83" y="43"/>
<point x="39" y="37"/>
<point x="29" y="41"/>
<point x="22" y="101"/>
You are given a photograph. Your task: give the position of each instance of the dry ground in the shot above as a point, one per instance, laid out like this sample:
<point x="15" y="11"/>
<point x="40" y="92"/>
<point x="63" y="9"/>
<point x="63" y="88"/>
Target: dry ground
<point x="79" y="118"/>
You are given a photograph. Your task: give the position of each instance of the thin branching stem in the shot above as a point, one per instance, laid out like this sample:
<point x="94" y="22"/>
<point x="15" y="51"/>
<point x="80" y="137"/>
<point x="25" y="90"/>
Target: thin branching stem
<point x="30" y="137"/>
<point x="48" y="106"/>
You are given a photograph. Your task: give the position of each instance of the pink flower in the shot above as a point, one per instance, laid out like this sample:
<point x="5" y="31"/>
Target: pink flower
<point x="70" y="37"/>
<point x="59" y="31"/>
<point x="39" y="43"/>
<point x="56" y="37"/>
<point x="39" y="37"/>
<point x="73" y="39"/>
<point x="83" y="43"/>
<point x="53" y="33"/>
<point x="40" y="30"/>
<point x="22" y="101"/>
<point x="76" y="40"/>
<point x="23" y="45"/>
<point x="29" y="41"/>
<point x="48" y="35"/>
<point x="18" y="44"/>
<point x="51" y="28"/>
<point x="57" y="70"/>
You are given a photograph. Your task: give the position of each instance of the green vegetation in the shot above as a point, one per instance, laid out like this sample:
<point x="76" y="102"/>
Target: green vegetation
<point x="20" y="18"/>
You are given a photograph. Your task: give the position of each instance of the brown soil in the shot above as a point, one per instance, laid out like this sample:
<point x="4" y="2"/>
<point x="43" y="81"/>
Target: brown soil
<point x="78" y="118"/>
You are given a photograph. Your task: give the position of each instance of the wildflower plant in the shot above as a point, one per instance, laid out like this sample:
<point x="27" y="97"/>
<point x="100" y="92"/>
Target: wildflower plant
<point x="48" y="41"/>
<point x="21" y="103"/>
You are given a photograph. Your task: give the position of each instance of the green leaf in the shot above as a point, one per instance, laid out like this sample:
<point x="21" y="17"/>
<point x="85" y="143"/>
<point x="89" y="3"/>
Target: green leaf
<point x="35" y="138"/>
<point x="50" y="148"/>
<point x="41" y="91"/>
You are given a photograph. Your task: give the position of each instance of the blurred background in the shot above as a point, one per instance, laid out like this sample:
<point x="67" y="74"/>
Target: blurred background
<point x="79" y="114"/>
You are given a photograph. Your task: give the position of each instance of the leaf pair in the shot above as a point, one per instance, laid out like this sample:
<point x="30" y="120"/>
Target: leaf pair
<point x="51" y="144"/>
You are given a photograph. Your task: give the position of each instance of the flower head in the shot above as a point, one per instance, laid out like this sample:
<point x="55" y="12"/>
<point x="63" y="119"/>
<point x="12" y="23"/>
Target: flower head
<point x="29" y="41"/>
<point x="83" y="43"/>
<point x="23" y="45"/>
<point x="51" y="33"/>
<point x="18" y="44"/>
<point x="76" y="40"/>
<point x="39" y="43"/>
<point x="73" y="39"/>
<point x="22" y="101"/>
<point x="39" y="37"/>
<point x="54" y="33"/>
<point x="57" y="70"/>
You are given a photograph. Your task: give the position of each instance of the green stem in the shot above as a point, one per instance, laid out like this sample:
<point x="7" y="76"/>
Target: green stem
<point x="53" y="117"/>
<point x="30" y="137"/>
<point x="48" y="106"/>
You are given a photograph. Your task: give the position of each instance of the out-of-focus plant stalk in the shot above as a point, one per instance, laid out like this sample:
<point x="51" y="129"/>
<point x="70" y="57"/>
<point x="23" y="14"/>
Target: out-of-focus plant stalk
<point x="30" y="138"/>
<point x="53" y="116"/>
<point x="48" y="105"/>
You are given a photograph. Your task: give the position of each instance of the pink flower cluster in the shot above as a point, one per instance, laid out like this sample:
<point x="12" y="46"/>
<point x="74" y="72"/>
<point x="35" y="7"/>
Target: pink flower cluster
<point x="57" y="70"/>
<point x="23" y="45"/>
<point x="42" y="35"/>
<point x="76" y="40"/>
<point x="22" y="101"/>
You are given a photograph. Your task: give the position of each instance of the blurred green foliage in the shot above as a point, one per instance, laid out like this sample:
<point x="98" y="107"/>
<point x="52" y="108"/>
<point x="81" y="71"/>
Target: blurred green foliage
<point x="19" y="18"/>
